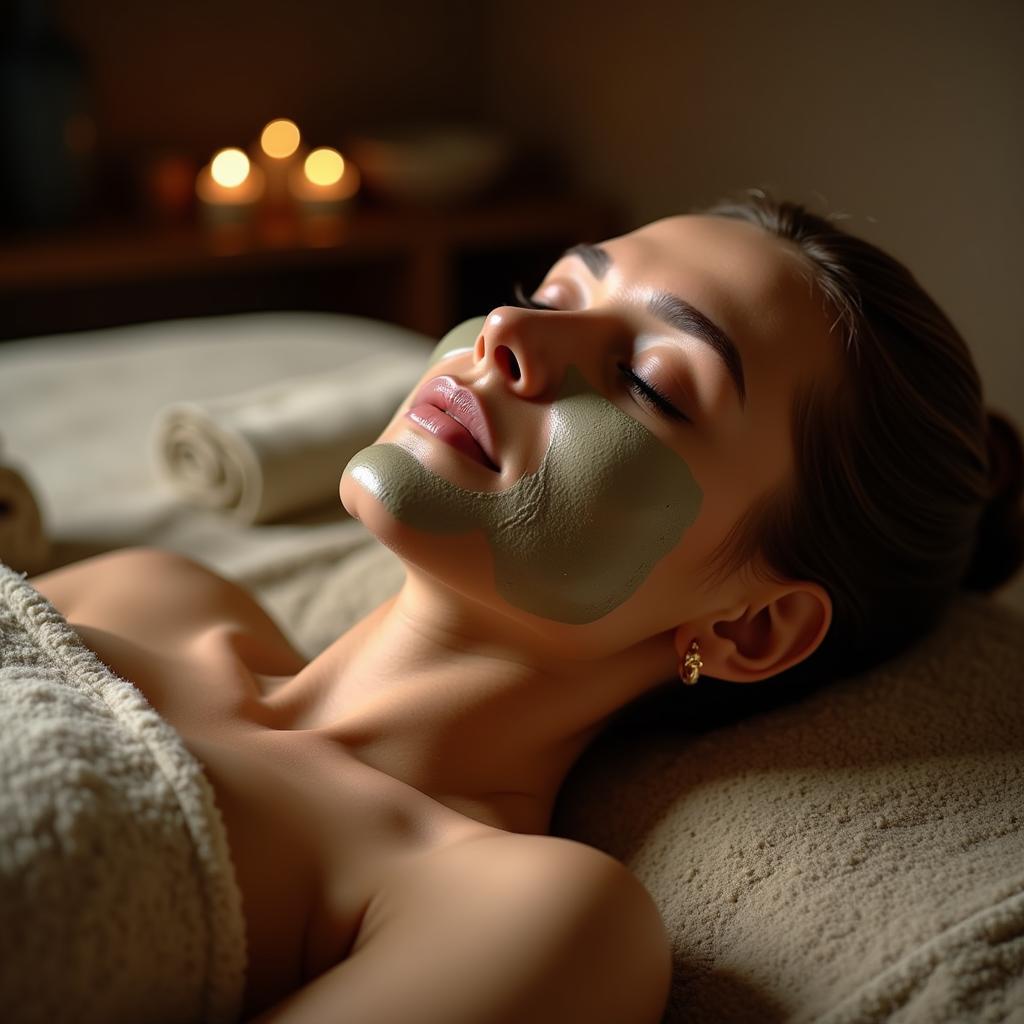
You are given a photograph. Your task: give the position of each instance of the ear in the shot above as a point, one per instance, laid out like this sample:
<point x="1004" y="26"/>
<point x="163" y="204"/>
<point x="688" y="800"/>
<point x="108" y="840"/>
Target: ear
<point x="764" y="637"/>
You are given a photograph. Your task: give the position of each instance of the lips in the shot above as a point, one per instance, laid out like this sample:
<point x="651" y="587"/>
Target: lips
<point x="454" y="414"/>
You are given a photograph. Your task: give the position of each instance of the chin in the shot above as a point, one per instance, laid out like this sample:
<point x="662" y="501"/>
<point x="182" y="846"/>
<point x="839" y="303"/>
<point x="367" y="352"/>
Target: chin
<point x="408" y="543"/>
<point x="464" y="563"/>
<point x="360" y="504"/>
<point x="461" y="561"/>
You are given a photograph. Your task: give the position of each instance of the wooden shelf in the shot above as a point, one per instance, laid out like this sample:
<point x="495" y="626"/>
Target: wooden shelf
<point x="403" y="265"/>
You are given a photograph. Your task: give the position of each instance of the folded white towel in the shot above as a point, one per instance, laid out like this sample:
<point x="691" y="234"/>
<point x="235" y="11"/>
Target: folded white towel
<point x="23" y="543"/>
<point x="279" y="449"/>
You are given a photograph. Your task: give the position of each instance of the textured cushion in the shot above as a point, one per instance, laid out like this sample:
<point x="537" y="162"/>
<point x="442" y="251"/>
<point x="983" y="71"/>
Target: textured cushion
<point x="855" y="856"/>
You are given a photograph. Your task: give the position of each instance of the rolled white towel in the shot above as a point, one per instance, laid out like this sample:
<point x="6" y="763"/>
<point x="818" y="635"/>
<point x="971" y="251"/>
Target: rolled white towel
<point x="279" y="449"/>
<point x="23" y="542"/>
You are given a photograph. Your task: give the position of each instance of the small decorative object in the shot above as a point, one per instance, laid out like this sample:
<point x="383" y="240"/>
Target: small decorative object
<point x="689" y="670"/>
<point x="324" y="183"/>
<point x="229" y="188"/>
<point x="279" y="150"/>
<point x="168" y="186"/>
<point x="431" y="165"/>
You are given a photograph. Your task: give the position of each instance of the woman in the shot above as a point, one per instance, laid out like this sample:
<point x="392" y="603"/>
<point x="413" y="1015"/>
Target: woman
<point x="731" y="445"/>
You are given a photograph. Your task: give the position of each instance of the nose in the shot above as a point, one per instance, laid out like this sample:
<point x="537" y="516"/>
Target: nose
<point x="532" y="349"/>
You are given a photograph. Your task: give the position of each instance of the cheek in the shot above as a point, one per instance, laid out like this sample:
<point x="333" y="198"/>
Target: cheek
<point x="686" y="571"/>
<point x="569" y="543"/>
<point x="609" y="503"/>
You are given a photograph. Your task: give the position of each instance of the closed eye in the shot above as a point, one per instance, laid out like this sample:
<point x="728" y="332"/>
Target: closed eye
<point x="526" y="302"/>
<point x="649" y="396"/>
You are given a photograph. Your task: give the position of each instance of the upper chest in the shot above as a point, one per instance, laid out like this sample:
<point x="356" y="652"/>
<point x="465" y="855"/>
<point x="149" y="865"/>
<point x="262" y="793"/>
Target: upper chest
<point x="314" y="833"/>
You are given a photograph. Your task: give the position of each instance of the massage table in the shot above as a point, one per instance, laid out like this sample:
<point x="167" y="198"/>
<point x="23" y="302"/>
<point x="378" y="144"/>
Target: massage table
<point x="853" y="855"/>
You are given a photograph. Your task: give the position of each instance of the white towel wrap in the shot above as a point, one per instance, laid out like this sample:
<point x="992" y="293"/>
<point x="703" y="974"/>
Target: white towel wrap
<point x="118" y="897"/>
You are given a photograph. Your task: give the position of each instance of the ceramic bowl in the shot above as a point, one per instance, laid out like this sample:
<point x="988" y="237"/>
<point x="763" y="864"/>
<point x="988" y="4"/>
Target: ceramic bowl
<point x="430" y="165"/>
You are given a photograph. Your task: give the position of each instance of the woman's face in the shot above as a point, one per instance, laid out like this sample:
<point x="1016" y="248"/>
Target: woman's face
<point x="574" y="466"/>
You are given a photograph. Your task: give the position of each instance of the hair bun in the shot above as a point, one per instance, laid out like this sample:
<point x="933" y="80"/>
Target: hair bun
<point x="999" y="545"/>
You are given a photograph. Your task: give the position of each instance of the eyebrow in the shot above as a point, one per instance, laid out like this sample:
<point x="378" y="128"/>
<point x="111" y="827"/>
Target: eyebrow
<point x="677" y="313"/>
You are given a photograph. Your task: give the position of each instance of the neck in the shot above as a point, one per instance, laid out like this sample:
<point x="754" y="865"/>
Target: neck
<point x="469" y="707"/>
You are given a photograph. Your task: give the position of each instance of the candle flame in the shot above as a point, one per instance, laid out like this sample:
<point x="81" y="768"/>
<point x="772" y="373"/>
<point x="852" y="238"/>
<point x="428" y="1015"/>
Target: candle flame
<point x="230" y="167"/>
<point x="280" y="138"/>
<point x="324" y="166"/>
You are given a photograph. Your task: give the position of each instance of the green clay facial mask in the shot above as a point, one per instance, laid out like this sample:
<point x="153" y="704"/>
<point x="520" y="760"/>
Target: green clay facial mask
<point x="572" y="541"/>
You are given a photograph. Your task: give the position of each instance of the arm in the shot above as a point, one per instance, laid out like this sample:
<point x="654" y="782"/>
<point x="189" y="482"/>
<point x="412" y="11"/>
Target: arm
<point x="500" y="930"/>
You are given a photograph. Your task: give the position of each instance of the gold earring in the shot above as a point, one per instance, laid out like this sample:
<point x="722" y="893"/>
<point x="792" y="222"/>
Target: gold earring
<point x="689" y="670"/>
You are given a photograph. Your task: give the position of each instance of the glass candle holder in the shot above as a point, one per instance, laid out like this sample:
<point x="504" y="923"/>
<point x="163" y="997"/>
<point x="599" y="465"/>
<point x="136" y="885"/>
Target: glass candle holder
<point x="324" y="185"/>
<point x="278" y="151"/>
<point x="228" y="189"/>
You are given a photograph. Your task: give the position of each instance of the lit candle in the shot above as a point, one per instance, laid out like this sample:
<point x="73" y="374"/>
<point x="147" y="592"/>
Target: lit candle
<point x="228" y="188"/>
<point x="277" y="152"/>
<point x="324" y="183"/>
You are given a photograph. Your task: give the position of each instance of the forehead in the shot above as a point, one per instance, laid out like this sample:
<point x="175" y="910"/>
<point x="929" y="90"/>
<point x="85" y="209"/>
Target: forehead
<point x="720" y="256"/>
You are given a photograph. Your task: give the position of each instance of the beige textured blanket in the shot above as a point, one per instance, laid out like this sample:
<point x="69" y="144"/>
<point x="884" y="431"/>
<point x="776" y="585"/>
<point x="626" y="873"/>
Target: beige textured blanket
<point x="855" y="857"/>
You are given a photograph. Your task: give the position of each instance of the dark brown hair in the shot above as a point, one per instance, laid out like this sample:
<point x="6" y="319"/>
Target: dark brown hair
<point x="905" y="488"/>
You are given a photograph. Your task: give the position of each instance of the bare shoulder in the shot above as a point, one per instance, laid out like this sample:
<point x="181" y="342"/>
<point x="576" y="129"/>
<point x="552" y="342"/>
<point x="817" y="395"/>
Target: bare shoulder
<point x="131" y="578"/>
<point x="498" y="929"/>
<point x="548" y="882"/>
<point x="139" y="589"/>
<point x="107" y="575"/>
<point x="531" y="865"/>
<point x="496" y="861"/>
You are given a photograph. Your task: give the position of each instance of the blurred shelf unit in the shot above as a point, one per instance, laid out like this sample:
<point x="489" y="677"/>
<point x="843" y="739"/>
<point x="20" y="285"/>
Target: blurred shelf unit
<point x="423" y="269"/>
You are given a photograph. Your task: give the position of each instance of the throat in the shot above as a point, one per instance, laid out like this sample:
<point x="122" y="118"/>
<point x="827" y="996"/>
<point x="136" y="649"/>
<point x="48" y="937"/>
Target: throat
<point x="497" y="783"/>
<point x="468" y="736"/>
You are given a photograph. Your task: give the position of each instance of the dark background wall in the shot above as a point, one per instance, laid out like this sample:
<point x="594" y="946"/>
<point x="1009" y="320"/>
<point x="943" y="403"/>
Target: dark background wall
<point x="207" y="71"/>
<point x="905" y="116"/>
